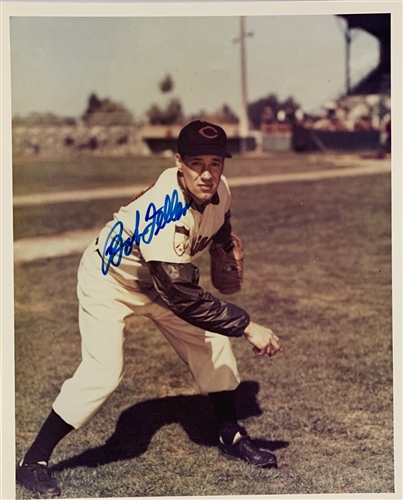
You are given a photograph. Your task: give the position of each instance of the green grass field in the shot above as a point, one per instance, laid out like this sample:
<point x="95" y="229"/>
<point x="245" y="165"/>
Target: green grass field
<point x="318" y="272"/>
<point x="41" y="176"/>
<point x="83" y="172"/>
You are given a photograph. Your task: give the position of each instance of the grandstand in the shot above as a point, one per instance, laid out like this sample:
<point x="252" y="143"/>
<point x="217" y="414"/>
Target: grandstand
<point x="378" y="25"/>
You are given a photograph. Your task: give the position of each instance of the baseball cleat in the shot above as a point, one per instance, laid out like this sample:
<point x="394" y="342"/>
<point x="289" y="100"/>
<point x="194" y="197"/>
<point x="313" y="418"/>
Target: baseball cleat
<point x="36" y="477"/>
<point x="244" y="449"/>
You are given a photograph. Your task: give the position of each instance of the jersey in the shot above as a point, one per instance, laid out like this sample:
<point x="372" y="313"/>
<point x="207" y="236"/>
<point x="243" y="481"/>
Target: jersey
<point x="161" y="224"/>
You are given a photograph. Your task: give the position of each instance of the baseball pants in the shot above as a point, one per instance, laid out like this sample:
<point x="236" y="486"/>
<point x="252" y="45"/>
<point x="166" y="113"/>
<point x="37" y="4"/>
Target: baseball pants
<point x="104" y="305"/>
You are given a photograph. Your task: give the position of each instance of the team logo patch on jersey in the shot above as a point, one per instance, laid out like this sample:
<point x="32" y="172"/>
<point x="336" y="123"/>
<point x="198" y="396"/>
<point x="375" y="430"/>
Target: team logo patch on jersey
<point x="181" y="240"/>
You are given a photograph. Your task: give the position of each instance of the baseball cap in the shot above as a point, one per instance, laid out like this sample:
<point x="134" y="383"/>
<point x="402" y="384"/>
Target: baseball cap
<point x="203" y="138"/>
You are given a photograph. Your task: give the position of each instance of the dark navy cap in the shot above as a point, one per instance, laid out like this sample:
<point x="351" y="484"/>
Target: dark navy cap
<point x="203" y="138"/>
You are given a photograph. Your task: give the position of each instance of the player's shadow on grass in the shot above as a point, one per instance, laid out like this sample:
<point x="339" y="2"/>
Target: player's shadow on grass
<point x="137" y="425"/>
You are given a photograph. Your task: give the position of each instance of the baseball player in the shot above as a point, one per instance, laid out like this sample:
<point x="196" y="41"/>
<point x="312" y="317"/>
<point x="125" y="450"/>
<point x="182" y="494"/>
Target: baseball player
<point x="141" y="264"/>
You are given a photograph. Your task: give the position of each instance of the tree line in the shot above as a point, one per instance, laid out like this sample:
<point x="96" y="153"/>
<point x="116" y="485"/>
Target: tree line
<point x="106" y="112"/>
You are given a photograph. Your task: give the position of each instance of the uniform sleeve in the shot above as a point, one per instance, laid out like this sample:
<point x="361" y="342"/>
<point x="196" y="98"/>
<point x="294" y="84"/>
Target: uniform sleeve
<point x="224" y="233"/>
<point x="178" y="287"/>
<point x="169" y="245"/>
<point x="225" y="193"/>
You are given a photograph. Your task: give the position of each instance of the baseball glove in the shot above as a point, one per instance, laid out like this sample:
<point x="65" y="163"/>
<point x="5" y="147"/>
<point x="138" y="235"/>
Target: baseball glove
<point x="226" y="265"/>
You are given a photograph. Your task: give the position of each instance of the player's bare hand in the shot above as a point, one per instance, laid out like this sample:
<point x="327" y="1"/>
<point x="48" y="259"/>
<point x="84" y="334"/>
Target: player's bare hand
<point x="264" y="341"/>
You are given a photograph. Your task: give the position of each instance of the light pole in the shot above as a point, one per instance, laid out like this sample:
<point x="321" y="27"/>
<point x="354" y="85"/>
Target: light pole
<point x="244" y="120"/>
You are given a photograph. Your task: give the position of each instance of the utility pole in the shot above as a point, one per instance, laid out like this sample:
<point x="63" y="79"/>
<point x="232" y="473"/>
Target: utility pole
<point x="244" y="120"/>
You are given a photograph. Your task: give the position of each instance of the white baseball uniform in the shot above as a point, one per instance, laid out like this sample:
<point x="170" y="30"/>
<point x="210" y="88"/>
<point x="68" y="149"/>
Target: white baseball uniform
<point x="114" y="283"/>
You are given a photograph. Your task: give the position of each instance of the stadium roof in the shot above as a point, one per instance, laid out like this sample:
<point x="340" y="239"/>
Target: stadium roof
<point x="376" y="24"/>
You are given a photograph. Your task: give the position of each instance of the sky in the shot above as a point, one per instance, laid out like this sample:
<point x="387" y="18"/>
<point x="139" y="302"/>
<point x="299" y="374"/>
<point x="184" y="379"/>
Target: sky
<point x="57" y="62"/>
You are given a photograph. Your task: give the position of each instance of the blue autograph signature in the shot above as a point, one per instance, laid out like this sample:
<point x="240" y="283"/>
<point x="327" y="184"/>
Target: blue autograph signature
<point x="157" y="219"/>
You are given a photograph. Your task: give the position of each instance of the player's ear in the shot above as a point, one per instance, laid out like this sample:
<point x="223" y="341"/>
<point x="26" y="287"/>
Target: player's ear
<point x="178" y="162"/>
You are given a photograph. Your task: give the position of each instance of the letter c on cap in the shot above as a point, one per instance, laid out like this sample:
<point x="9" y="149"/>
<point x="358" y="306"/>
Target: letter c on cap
<point x="209" y="132"/>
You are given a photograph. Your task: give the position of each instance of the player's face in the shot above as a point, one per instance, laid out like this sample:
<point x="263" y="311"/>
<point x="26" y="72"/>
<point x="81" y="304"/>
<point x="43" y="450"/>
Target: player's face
<point x="201" y="175"/>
